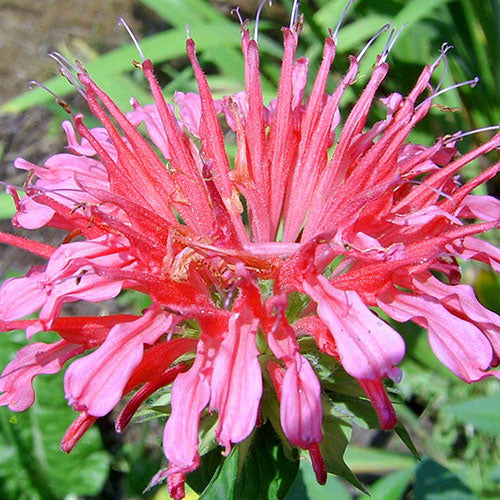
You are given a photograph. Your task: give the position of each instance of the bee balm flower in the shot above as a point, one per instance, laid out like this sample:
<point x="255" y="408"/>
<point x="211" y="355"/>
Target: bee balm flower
<point x="354" y="220"/>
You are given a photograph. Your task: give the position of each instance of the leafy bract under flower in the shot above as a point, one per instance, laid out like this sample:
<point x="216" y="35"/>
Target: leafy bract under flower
<point x="353" y="219"/>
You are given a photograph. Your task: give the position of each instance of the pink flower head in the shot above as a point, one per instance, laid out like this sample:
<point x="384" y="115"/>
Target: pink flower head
<point x="348" y="218"/>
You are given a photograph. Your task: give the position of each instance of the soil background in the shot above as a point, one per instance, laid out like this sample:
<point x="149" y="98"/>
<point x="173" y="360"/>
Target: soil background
<point x="29" y="30"/>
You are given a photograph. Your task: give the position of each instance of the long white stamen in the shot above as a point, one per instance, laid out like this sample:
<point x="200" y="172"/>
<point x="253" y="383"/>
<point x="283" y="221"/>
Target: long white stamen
<point x="122" y="22"/>
<point x="439" y="192"/>
<point x="472" y="84"/>
<point x="61" y="102"/>
<point x="459" y="135"/>
<point x="66" y="68"/>
<point x="335" y="33"/>
<point x="35" y="83"/>
<point x="372" y="39"/>
<point x="444" y="49"/>
<point x="236" y="11"/>
<point x="390" y="42"/>
<point x="60" y="59"/>
<point x="257" y="18"/>
<point x="230" y="295"/>
<point x="295" y="13"/>
<point x="35" y="191"/>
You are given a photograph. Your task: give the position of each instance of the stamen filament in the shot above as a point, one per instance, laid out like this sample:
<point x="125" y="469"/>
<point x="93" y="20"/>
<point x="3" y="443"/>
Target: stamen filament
<point x="66" y="69"/>
<point x="459" y="135"/>
<point x="295" y="13"/>
<point x="472" y="84"/>
<point x="257" y="18"/>
<point x="122" y="22"/>
<point x="390" y="42"/>
<point x="443" y="50"/>
<point x="335" y="33"/>
<point x="236" y="11"/>
<point x="372" y="39"/>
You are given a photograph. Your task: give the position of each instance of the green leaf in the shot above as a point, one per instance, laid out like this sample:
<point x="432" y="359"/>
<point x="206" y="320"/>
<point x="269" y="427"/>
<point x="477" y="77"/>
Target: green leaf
<point x="406" y="438"/>
<point x="482" y="413"/>
<point x="182" y="12"/>
<point x="200" y="478"/>
<point x="336" y="438"/>
<point x="435" y="482"/>
<point x="355" y="410"/>
<point x="256" y="469"/>
<point x="374" y="460"/>
<point x="305" y="486"/>
<point x="33" y="461"/>
<point x="391" y="487"/>
<point x="7" y="207"/>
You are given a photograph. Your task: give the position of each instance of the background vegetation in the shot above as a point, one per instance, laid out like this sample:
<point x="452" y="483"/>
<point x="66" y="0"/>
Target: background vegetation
<point x="455" y="427"/>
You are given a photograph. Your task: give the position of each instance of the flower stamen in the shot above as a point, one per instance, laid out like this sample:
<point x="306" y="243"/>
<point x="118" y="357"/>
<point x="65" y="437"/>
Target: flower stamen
<point x="460" y="135"/>
<point x="257" y="19"/>
<point x="123" y="23"/>
<point x="295" y="13"/>
<point x="372" y="40"/>
<point x="66" y="69"/>
<point x="444" y="49"/>
<point x="59" y="101"/>
<point x="472" y="83"/>
<point x="393" y="36"/>
<point x="236" y="11"/>
<point x="334" y="34"/>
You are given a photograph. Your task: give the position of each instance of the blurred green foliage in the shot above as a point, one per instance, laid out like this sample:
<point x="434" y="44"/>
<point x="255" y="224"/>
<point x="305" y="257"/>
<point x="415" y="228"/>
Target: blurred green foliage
<point x="32" y="466"/>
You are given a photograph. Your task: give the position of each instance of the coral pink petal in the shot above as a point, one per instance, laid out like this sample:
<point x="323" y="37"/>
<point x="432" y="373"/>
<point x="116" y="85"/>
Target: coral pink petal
<point x="475" y="248"/>
<point x="462" y="300"/>
<point x="300" y="409"/>
<point x="318" y="464"/>
<point x="190" y="396"/>
<point x="145" y="392"/>
<point x="368" y="347"/>
<point x="375" y="390"/>
<point x="76" y="430"/>
<point x="486" y="208"/>
<point x="22" y="296"/>
<point x="95" y="383"/>
<point x="38" y="358"/>
<point x="236" y="384"/>
<point x="458" y="344"/>
<point x="176" y="485"/>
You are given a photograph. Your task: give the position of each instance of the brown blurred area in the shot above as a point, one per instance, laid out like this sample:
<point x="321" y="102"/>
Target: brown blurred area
<point x="32" y="28"/>
<point x="29" y="30"/>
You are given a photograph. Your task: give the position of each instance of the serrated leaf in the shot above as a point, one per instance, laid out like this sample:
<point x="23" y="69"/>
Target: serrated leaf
<point x="354" y="410"/>
<point x="404" y="435"/>
<point x="435" y="482"/>
<point x="264" y="473"/>
<point x="336" y="438"/>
